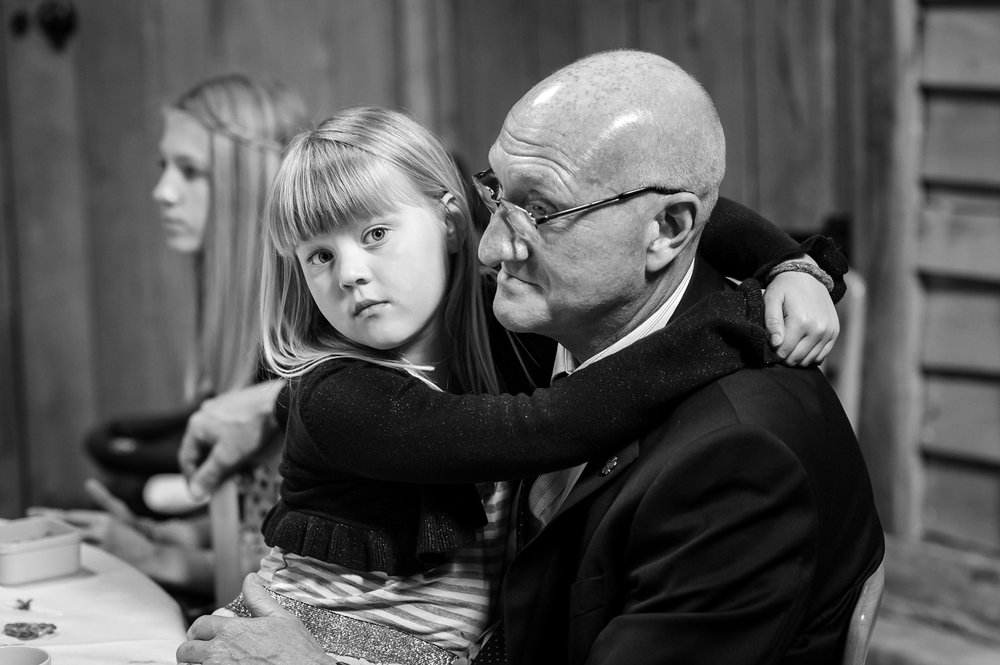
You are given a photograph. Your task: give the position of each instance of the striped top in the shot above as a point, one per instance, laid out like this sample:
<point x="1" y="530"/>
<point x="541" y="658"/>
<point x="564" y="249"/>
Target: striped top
<point x="448" y="606"/>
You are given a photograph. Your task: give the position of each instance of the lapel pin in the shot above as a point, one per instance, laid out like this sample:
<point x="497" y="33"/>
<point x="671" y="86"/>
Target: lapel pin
<point x="609" y="465"/>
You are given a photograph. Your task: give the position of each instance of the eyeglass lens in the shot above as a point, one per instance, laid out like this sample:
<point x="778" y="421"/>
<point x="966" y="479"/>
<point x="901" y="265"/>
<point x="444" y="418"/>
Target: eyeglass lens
<point x="517" y="218"/>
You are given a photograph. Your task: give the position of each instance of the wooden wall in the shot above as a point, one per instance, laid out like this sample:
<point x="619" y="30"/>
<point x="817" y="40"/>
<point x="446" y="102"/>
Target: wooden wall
<point x="959" y="265"/>
<point x="929" y="240"/>
<point x="96" y="310"/>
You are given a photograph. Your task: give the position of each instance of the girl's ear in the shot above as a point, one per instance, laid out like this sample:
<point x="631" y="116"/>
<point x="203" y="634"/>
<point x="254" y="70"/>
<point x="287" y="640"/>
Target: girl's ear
<point x="454" y="233"/>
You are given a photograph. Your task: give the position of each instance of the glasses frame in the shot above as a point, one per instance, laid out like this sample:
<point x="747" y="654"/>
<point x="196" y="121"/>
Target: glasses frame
<point x="493" y="199"/>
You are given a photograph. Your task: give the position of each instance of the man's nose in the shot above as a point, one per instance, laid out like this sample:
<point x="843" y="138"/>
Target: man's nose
<point x="499" y="243"/>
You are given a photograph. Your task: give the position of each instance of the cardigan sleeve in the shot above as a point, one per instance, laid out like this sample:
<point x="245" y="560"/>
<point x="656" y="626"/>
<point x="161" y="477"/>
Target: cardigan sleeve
<point x="412" y="433"/>
<point x="740" y="243"/>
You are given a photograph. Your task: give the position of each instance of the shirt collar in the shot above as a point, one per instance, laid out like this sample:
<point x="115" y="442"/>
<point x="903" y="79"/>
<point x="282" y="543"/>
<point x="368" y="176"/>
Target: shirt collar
<point x="565" y="363"/>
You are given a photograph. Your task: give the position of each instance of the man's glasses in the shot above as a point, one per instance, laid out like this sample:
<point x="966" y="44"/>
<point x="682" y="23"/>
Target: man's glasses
<point x="523" y="222"/>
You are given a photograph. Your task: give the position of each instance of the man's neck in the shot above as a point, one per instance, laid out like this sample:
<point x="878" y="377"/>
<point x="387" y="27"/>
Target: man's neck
<point x="617" y="326"/>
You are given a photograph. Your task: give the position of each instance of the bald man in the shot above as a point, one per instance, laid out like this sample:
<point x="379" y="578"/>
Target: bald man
<point x="741" y="528"/>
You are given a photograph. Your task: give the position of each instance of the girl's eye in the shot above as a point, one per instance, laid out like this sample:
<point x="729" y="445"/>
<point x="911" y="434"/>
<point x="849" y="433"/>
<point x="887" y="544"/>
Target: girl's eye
<point x="376" y="234"/>
<point x="191" y="172"/>
<point x="319" y="257"/>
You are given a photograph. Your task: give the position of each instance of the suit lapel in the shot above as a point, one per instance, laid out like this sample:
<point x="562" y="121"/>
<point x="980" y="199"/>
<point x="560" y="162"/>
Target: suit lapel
<point x="704" y="281"/>
<point x="597" y="474"/>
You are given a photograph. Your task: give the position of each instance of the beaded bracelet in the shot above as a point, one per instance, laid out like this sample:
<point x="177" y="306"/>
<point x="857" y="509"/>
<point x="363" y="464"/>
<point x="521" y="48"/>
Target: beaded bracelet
<point x="802" y="266"/>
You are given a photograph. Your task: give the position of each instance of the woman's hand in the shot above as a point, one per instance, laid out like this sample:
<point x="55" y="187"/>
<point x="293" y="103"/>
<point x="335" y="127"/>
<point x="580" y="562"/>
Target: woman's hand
<point x="801" y="318"/>
<point x="225" y="432"/>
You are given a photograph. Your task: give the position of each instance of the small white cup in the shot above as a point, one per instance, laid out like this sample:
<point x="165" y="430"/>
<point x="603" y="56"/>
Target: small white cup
<point x="19" y="655"/>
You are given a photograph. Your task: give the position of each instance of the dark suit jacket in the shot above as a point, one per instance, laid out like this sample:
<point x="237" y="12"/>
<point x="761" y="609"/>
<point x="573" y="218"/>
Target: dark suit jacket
<point x="738" y="531"/>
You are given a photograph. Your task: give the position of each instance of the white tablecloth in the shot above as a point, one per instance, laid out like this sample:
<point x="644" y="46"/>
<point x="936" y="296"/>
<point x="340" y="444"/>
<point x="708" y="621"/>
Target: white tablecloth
<point x="109" y="613"/>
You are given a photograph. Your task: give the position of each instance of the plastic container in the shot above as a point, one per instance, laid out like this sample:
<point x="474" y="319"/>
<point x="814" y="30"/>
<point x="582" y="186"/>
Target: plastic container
<point x="36" y="548"/>
<point x="19" y="655"/>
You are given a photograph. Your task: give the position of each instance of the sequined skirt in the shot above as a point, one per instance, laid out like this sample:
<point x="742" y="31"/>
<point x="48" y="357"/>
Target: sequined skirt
<point x="354" y="642"/>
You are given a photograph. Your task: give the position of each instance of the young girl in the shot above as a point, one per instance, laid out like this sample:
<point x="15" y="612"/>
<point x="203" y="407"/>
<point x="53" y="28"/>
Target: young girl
<point x="373" y="305"/>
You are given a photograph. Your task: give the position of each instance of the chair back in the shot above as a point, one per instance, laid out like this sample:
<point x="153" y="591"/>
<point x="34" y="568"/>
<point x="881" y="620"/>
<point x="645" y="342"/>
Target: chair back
<point x="224" y="517"/>
<point x="859" y="634"/>
<point x="844" y="364"/>
<point x="236" y="515"/>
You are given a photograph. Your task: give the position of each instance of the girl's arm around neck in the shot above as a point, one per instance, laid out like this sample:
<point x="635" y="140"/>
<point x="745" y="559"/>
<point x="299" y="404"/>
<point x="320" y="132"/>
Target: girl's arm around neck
<point x="376" y="423"/>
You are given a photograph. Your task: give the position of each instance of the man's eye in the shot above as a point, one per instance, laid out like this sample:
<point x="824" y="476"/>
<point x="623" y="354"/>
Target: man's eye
<point x="319" y="257"/>
<point x="377" y="234"/>
<point x="538" y="209"/>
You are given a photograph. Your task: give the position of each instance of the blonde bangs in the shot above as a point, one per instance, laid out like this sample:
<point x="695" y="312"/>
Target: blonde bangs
<point x="325" y="185"/>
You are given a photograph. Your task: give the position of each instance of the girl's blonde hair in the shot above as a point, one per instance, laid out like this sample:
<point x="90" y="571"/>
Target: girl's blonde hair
<point x="249" y="123"/>
<point x="334" y="175"/>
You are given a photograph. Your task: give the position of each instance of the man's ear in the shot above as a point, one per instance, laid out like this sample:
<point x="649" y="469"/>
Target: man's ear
<point x="671" y="230"/>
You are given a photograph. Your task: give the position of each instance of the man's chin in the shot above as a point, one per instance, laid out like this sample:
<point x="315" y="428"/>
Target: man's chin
<point x="514" y="317"/>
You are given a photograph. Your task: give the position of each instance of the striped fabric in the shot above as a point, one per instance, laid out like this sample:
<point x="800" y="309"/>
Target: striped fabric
<point x="448" y="606"/>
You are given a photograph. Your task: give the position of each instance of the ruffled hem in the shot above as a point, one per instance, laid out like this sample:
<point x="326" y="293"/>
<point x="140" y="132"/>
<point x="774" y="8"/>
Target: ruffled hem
<point x="404" y="550"/>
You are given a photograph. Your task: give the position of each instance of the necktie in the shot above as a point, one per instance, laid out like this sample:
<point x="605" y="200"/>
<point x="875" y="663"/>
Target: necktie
<point x="494" y="652"/>
<point x="546" y="493"/>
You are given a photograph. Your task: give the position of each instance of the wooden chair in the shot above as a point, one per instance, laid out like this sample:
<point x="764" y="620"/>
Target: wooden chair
<point x="224" y="517"/>
<point x="844" y="365"/>
<point x="230" y="515"/>
<point x="859" y="634"/>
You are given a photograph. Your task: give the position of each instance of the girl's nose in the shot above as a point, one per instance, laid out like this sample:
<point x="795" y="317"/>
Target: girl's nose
<point x="352" y="269"/>
<point x="501" y="243"/>
<point x="163" y="192"/>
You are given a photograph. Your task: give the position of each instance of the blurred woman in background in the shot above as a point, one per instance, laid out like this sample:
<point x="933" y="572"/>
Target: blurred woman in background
<point x="221" y="145"/>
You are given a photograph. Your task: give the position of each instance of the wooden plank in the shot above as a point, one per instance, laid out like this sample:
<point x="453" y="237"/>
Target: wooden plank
<point x="144" y="294"/>
<point x="417" y="45"/>
<point x="796" y="111"/>
<point x="558" y="34"/>
<point x="54" y="266"/>
<point x="943" y="585"/>
<point x="606" y="24"/>
<point x="13" y="446"/>
<point x="962" y="331"/>
<point x="962" y="47"/>
<point x="338" y="54"/>
<point x="962" y="419"/>
<point x="961" y="140"/>
<point x="448" y="63"/>
<point x="180" y="39"/>
<point x="496" y="71"/>
<point x="886" y="209"/>
<point x="960" y="235"/>
<point x="962" y="504"/>
<point x="711" y="41"/>
<point x="901" y="641"/>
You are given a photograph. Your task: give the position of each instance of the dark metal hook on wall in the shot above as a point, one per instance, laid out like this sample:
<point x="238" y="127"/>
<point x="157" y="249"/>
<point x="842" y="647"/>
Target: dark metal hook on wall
<point x="57" y="20"/>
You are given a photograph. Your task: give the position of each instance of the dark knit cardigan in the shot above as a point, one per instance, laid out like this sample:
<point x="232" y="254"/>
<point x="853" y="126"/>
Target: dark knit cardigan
<point x="378" y="469"/>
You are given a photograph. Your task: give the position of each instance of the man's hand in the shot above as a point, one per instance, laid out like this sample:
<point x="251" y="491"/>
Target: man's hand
<point x="224" y="433"/>
<point x="273" y="637"/>
<point x="800" y="318"/>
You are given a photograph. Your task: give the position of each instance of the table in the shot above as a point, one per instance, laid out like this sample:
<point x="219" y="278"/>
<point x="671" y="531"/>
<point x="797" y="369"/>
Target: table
<point x="109" y="613"/>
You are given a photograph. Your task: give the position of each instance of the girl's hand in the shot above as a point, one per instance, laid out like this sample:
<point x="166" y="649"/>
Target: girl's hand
<point x="800" y="318"/>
